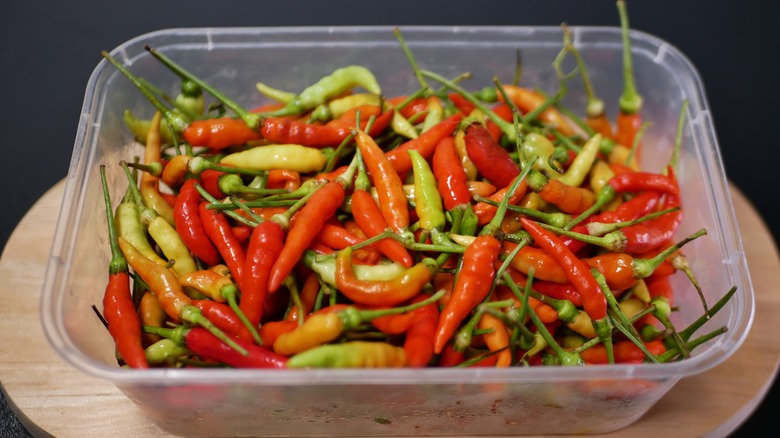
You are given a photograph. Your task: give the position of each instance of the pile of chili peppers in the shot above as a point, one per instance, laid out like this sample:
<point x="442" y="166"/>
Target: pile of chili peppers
<point x="339" y="227"/>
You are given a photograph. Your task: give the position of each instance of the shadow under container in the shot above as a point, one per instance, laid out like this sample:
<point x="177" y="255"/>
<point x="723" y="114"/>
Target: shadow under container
<point x="472" y="401"/>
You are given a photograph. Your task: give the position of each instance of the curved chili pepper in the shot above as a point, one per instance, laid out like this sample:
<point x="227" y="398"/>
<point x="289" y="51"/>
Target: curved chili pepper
<point x="648" y="235"/>
<point x="354" y="354"/>
<point x="425" y="143"/>
<point x="265" y="245"/>
<point x="308" y="221"/>
<point x="151" y="313"/>
<point x="492" y="161"/>
<point x="219" y="231"/>
<point x="118" y="307"/>
<point x="497" y="339"/>
<point x="527" y="100"/>
<point x="472" y="285"/>
<point x="569" y="199"/>
<point x="385" y="292"/>
<point x="169" y="292"/>
<point x="392" y="198"/>
<point x="128" y="223"/>
<point x="203" y="343"/>
<point x="331" y="322"/>
<point x="189" y="225"/>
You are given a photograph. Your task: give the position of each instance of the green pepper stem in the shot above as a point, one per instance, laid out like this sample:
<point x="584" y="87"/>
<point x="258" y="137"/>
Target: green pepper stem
<point x="251" y="119"/>
<point x="230" y="293"/>
<point x="630" y="100"/>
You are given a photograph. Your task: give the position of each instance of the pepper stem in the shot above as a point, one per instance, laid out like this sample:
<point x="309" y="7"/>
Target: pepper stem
<point x="630" y="100"/>
<point x="118" y="264"/>
<point x="251" y="119"/>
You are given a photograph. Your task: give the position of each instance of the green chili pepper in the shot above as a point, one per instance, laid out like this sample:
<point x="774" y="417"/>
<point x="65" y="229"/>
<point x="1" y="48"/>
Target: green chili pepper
<point x="427" y="200"/>
<point x="355" y="354"/>
<point x="190" y="100"/>
<point x="164" y="351"/>
<point x="326" y="269"/>
<point x="542" y="147"/>
<point x="338" y="82"/>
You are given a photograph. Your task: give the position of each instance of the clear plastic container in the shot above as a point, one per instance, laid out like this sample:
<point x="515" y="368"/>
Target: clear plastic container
<point x="539" y="400"/>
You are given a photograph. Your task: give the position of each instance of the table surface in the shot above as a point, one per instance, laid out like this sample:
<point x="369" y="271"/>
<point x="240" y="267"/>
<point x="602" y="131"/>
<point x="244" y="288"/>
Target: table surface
<point x="52" y="398"/>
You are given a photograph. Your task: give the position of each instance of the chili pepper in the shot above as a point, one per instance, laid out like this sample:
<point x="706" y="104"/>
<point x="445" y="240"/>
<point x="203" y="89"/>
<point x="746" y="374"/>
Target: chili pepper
<point x="450" y="176"/>
<point x="419" y="327"/>
<point x="486" y="212"/>
<point x="384" y="292"/>
<point x="208" y="282"/>
<point x="265" y="246"/>
<point x="460" y="146"/>
<point x="278" y="156"/>
<point x="497" y="339"/>
<point x="209" y="180"/>
<point x="219" y="231"/>
<point x="336" y="83"/>
<point x="492" y="160"/>
<point x="326" y="269"/>
<point x="471" y="286"/>
<point x="392" y="199"/>
<point x="354" y="354"/>
<point x="330" y="323"/>
<point x="625" y="352"/>
<point x="569" y="199"/>
<point x="527" y="100"/>
<point x="150" y="312"/>
<point x="140" y="128"/>
<point x="535" y="144"/>
<point x="368" y="216"/>
<point x="528" y="257"/>
<point x="578" y="169"/>
<point x="579" y="275"/>
<point x="150" y="193"/>
<point x="308" y="297"/>
<point x="129" y="226"/>
<point x="219" y="133"/>
<point x="189" y="225"/>
<point x="409" y="106"/>
<point x="118" y="308"/>
<point x="629" y="121"/>
<point x="647" y="235"/>
<point x="164" y="351"/>
<point x="425" y="143"/>
<point x="621" y="270"/>
<point x="427" y="200"/>
<point x="309" y="220"/>
<point x="203" y="343"/>
<point x="164" y="234"/>
<point x="283" y="178"/>
<point x="190" y="99"/>
<point x="169" y="292"/>
<point x="175" y="170"/>
<point x="222" y="316"/>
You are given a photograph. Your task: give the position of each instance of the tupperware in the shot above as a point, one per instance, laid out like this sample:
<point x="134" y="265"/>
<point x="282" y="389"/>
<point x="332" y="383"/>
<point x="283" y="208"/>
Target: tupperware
<point x="470" y="401"/>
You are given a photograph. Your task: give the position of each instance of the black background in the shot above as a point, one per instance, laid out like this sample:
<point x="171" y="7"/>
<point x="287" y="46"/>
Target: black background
<point x="50" y="49"/>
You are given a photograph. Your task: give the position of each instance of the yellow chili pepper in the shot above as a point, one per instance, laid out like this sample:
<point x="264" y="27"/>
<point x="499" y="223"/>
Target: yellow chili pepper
<point x="465" y="161"/>
<point x="579" y="168"/>
<point x="583" y="325"/>
<point x="150" y="190"/>
<point x="293" y="157"/>
<point x="355" y="354"/>
<point x="207" y="282"/>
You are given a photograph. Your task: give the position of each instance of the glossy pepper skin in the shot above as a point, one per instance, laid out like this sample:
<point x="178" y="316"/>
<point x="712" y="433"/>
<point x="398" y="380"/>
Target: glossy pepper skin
<point x="354" y="354"/>
<point x="118" y="308"/>
<point x="265" y="245"/>
<point x="205" y="344"/>
<point x="472" y="285"/>
<point x="382" y="292"/>
<point x="189" y="225"/>
<point x="492" y="160"/>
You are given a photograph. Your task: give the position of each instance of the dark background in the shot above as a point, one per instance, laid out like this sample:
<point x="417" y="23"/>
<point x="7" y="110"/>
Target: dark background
<point x="50" y="50"/>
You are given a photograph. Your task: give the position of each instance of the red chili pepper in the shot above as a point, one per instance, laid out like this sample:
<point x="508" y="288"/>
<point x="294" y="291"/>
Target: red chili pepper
<point x="647" y="235"/>
<point x="559" y="291"/>
<point x="450" y="176"/>
<point x="369" y="218"/>
<point x="418" y="343"/>
<point x="486" y="212"/>
<point x="643" y="181"/>
<point x="288" y="130"/>
<point x="209" y="180"/>
<point x="381" y="292"/>
<point x="492" y="161"/>
<point x="308" y="221"/>
<point x="118" y="308"/>
<point x="392" y="198"/>
<point x="425" y="143"/>
<point x="219" y="133"/>
<point x="461" y="103"/>
<point x="283" y="178"/>
<point x="578" y="271"/>
<point x="661" y="287"/>
<point x="220" y="233"/>
<point x="222" y="316"/>
<point x="472" y="285"/>
<point x="265" y="245"/>
<point x="504" y="112"/>
<point x="412" y="108"/>
<point x="271" y="330"/>
<point x="625" y="352"/>
<point x="190" y="227"/>
<point x="203" y="343"/>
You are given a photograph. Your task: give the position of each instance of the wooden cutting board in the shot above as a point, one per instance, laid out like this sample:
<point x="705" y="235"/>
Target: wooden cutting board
<point x="52" y="398"/>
